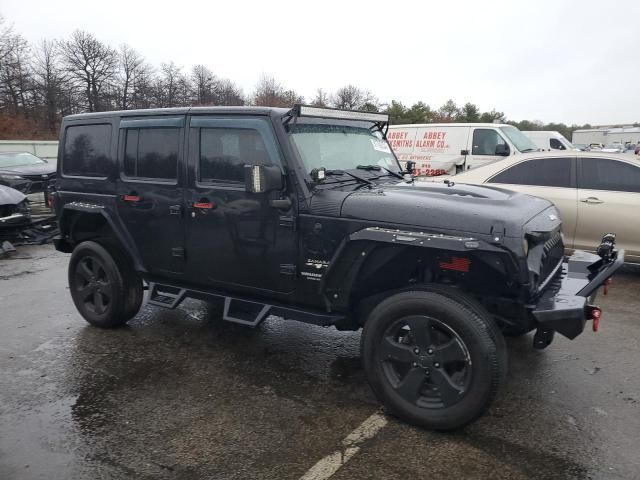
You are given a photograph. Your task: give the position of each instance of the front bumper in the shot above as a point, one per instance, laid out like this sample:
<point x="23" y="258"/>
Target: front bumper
<point x="566" y="303"/>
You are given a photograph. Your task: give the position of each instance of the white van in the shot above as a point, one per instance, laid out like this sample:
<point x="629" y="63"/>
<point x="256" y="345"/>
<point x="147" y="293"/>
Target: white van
<point x="449" y="148"/>
<point x="550" y="140"/>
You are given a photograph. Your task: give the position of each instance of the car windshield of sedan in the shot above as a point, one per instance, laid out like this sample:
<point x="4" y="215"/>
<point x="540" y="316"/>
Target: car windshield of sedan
<point x="19" y="159"/>
<point x="519" y="139"/>
<point x="341" y="147"/>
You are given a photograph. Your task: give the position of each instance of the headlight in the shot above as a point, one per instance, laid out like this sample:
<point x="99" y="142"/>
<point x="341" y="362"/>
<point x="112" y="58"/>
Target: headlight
<point x="10" y="177"/>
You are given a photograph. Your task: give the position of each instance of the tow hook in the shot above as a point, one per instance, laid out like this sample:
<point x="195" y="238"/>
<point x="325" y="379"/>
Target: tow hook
<point x="595" y="314"/>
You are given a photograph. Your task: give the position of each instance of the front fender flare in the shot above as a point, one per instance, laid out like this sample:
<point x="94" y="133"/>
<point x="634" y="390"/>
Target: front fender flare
<point x="347" y="262"/>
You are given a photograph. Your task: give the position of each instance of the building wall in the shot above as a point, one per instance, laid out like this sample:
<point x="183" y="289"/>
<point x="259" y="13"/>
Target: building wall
<point x="40" y="148"/>
<point x="607" y="135"/>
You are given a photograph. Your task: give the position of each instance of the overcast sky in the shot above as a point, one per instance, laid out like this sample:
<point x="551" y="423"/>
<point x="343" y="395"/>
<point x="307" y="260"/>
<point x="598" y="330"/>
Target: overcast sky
<point x="562" y="61"/>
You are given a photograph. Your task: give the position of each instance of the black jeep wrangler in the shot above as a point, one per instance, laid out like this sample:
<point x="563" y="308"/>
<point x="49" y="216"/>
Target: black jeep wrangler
<point x="306" y="214"/>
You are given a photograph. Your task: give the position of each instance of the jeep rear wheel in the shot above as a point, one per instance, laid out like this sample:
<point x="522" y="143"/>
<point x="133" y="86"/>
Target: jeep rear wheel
<point x="431" y="360"/>
<point x="104" y="288"/>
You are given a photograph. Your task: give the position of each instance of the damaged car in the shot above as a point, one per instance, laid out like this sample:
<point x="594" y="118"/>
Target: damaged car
<point x="26" y="172"/>
<point x="306" y="214"/>
<point x="14" y="210"/>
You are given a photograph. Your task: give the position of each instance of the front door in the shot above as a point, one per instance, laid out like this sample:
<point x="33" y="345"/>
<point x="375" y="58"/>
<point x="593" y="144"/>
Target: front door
<point x="608" y="201"/>
<point x="484" y="142"/>
<point x="150" y="196"/>
<point x="236" y="238"/>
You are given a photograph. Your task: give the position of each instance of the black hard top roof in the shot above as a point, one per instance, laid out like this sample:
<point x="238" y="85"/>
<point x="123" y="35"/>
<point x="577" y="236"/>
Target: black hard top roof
<point x="183" y="111"/>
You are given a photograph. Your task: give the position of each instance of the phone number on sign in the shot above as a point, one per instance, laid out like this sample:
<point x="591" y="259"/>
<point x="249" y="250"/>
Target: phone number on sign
<point x="428" y="172"/>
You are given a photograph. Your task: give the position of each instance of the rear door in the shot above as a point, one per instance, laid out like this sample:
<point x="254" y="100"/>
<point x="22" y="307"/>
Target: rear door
<point x="609" y="201"/>
<point x="550" y="178"/>
<point x="150" y="193"/>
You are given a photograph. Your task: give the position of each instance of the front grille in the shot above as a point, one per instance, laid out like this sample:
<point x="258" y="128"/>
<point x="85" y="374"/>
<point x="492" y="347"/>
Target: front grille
<point x="552" y="254"/>
<point x="6" y="210"/>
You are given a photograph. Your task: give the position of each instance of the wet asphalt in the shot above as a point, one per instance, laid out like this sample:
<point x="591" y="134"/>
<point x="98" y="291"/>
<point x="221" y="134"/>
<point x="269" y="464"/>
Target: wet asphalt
<point x="180" y="394"/>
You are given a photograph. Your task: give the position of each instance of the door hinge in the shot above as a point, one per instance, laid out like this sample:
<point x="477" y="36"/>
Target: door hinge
<point x="288" y="269"/>
<point x="287" y="222"/>
<point x="177" y="252"/>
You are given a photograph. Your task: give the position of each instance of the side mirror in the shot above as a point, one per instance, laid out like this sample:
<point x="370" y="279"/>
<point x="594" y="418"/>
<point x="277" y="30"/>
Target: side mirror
<point x="262" y="178"/>
<point x="502" y="149"/>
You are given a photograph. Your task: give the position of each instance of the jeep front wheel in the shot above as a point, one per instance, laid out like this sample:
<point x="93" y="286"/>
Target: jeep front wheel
<point x="431" y="360"/>
<point x="104" y="288"/>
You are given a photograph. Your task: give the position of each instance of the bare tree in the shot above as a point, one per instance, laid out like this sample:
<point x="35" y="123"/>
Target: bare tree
<point x="92" y="64"/>
<point x="131" y="63"/>
<point x="49" y="82"/>
<point x="321" y="99"/>
<point x="172" y="87"/>
<point x="270" y="93"/>
<point x="203" y="81"/>
<point x="15" y="80"/>
<point x="225" y="92"/>
<point x="351" y="97"/>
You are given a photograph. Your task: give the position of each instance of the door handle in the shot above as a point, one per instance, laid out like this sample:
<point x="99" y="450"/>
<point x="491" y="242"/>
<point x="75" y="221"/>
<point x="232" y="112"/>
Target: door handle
<point x="281" y="203"/>
<point x="591" y="200"/>
<point x="203" y="204"/>
<point x="175" y="209"/>
<point x="131" y="197"/>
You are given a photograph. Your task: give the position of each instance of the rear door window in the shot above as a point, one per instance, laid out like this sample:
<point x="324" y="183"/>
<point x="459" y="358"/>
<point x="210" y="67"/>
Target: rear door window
<point x="87" y="150"/>
<point x="544" y="172"/>
<point x="151" y="153"/>
<point x="608" y="174"/>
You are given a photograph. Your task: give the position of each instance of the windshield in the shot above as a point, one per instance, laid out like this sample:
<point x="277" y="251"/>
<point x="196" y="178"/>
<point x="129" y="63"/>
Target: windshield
<point x="18" y="159"/>
<point x="519" y="140"/>
<point x="341" y="147"/>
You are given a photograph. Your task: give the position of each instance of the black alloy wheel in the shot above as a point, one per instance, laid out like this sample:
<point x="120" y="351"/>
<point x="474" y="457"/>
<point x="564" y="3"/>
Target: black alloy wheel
<point x="104" y="287"/>
<point x="426" y="361"/>
<point x="433" y="357"/>
<point x="92" y="285"/>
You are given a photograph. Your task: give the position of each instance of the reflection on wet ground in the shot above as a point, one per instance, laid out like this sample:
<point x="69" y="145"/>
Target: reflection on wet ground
<point x="180" y="394"/>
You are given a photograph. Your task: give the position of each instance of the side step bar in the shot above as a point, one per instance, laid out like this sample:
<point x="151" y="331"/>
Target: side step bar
<point x="243" y="311"/>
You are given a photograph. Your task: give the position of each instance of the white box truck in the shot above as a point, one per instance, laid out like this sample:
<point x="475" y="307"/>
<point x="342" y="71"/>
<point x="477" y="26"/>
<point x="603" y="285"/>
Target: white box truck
<point x="549" y="140"/>
<point x="449" y="148"/>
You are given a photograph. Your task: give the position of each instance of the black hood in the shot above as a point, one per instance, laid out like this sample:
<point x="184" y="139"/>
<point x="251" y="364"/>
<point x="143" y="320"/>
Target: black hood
<point x="10" y="196"/>
<point x="438" y="207"/>
<point x="35" y="169"/>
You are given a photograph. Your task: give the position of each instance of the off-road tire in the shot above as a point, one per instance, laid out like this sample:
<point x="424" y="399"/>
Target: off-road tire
<point x="471" y="326"/>
<point x="107" y="269"/>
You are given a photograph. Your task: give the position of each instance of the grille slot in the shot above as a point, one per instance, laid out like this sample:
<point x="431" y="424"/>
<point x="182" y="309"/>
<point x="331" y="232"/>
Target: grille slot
<point x="552" y="254"/>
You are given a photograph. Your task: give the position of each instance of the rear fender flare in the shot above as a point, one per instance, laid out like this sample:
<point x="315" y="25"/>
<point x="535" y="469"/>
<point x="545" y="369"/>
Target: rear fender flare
<point x="71" y="212"/>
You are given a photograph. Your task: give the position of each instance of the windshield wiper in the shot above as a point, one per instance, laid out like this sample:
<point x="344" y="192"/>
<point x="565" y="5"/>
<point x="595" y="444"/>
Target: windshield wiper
<point x="344" y="172"/>
<point x="377" y="168"/>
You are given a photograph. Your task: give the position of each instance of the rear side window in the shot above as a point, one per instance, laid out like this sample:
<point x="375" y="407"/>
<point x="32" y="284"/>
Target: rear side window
<point x="612" y="175"/>
<point x="225" y="151"/>
<point x="545" y="172"/>
<point x="485" y="141"/>
<point x="152" y="153"/>
<point x="556" y="144"/>
<point x="87" y="150"/>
